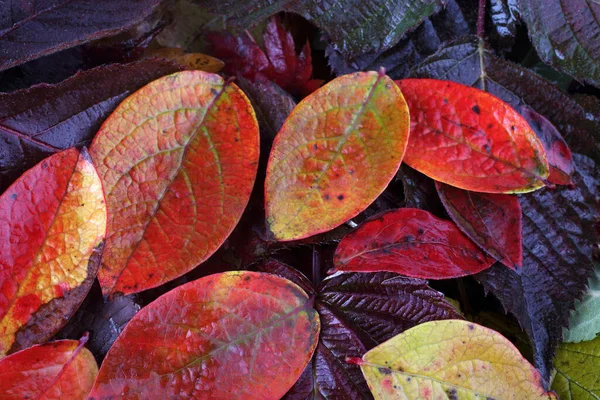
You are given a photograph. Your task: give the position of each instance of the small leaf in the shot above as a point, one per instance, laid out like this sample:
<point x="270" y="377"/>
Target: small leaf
<point x="492" y="221"/>
<point x="565" y="35"/>
<point x="558" y="153"/>
<point x="585" y="319"/>
<point x="45" y="119"/>
<point x="470" y="139"/>
<point x="577" y="366"/>
<point x="64" y="369"/>
<point x="192" y="61"/>
<point x="410" y="242"/>
<point x="450" y="359"/>
<point x="230" y="334"/>
<point x="178" y="161"/>
<point x="52" y="223"/>
<point x="29" y="31"/>
<point x="335" y="154"/>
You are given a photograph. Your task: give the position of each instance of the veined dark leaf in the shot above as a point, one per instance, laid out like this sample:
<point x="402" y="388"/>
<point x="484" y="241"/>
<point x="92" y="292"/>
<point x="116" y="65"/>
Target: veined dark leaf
<point x="357" y="312"/>
<point x="34" y="29"/>
<point x="355" y="26"/>
<point x="38" y="122"/>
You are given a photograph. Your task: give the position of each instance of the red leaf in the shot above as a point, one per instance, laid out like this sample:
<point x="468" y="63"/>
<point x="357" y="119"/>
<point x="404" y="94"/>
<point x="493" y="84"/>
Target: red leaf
<point x="58" y="370"/>
<point x="278" y="62"/>
<point x="492" y="221"/>
<point x="410" y="242"/>
<point x="558" y="153"/>
<point x="52" y="222"/>
<point x="178" y="160"/>
<point x="467" y="138"/>
<point x="228" y="335"/>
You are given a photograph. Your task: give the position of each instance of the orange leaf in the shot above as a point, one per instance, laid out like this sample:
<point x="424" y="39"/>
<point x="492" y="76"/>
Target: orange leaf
<point x="52" y="222"/>
<point x="58" y="370"/>
<point x="178" y="160"/>
<point x="229" y="335"/>
<point x="335" y="154"/>
<point x="467" y="138"/>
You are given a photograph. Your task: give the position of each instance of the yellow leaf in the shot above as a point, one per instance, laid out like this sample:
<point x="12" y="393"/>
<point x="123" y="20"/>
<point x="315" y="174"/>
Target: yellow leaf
<point x="192" y="61"/>
<point x="451" y="359"/>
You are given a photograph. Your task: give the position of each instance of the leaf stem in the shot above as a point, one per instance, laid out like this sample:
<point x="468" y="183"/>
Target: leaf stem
<point x="316" y="266"/>
<point x="481" y="19"/>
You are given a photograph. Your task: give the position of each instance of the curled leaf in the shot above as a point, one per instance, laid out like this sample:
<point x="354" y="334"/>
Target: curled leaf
<point x="234" y="334"/>
<point x="178" y="160"/>
<point x="334" y="155"/>
<point x="64" y="369"/>
<point x="410" y="242"/>
<point x="451" y="359"/>
<point x="52" y="223"/>
<point x="470" y="139"/>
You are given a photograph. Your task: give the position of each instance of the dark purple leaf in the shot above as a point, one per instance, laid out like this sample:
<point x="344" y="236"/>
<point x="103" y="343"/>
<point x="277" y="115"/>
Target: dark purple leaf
<point x="44" y="119"/>
<point x="31" y="29"/>
<point x="419" y="191"/>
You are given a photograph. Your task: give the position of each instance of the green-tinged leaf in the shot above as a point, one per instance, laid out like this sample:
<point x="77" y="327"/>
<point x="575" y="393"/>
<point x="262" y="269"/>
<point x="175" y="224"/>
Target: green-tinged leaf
<point x="577" y="371"/>
<point x="585" y="319"/>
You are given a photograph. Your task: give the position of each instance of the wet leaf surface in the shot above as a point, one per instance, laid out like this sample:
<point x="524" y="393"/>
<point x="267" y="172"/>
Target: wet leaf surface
<point x="335" y="154"/>
<point x="45" y="119"/>
<point x="410" y="242"/>
<point x="178" y="161"/>
<point x="223" y="335"/>
<point x="469" y="139"/>
<point x="63" y="369"/>
<point x="450" y="359"/>
<point x="492" y="221"/>
<point x="52" y="224"/>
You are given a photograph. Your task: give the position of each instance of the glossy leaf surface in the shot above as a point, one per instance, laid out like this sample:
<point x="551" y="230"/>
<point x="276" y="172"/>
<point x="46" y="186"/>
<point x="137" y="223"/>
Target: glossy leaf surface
<point x="34" y="29"/>
<point x="585" y="319"/>
<point x="45" y="119"/>
<point x="470" y="139"/>
<point x="410" y="242"/>
<point x="558" y="153"/>
<point x="278" y="62"/>
<point x="52" y="220"/>
<point x="492" y="221"/>
<point x="64" y="369"/>
<point x="565" y="34"/>
<point x="178" y="160"/>
<point x="357" y="312"/>
<point x="450" y="359"/>
<point x="577" y="366"/>
<point x="226" y="335"/>
<point x="335" y="154"/>
<point x="558" y="245"/>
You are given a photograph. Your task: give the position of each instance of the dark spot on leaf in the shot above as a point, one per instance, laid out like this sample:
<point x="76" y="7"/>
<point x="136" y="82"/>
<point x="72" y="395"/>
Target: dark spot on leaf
<point x="490" y="126"/>
<point x="351" y="172"/>
<point x="409" y="238"/>
<point x="445" y="101"/>
<point x="476" y="109"/>
<point x="236" y="139"/>
<point x="44" y="165"/>
<point x="214" y="91"/>
<point x="340" y="197"/>
<point x="421" y="231"/>
<point x="14" y="196"/>
<point x="315" y="146"/>
<point x="247" y="278"/>
<point x="471" y="327"/>
<point x="326" y="197"/>
<point x="487" y="148"/>
<point x="512" y="127"/>
<point x="385" y="371"/>
<point x="408" y="379"/>
<point x="451" y="393"/>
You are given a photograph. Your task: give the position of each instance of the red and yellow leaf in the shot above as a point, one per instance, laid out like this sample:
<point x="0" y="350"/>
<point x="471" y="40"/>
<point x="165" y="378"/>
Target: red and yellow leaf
<point x="468" y="138"/>
<point x="178" y="160"/>
<point x="492" y="221"/>
<point x="228" y="335"/>
<point x="52" y="222"/>
<point x="334" y="155"/>
<point x="451" y="359"/>
<point x="410" y="242"/>
<point x="59" y="370"/>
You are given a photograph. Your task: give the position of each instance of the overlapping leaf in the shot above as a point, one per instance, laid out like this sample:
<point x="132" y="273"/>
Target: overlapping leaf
<point x="230" y="334"/>
<point x="178" y="161"/>
<point x="335" y="154"/>
<point x="577" y="366"/>
<point x="29" y="31"/>
<point x="450" y="359"/>
<point x="411" y="242"/>
<point x="45" y="119"/>
<point x="52" y="223"/>
<point x="469" y="139"/>
<point x="357" y="312"/>
<point x="585" y="319"/>
<point x="355" y="26"/>
<point x="64" y="369"/>
<point x="565" y="34"/>
<point x="492" y="221"/>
